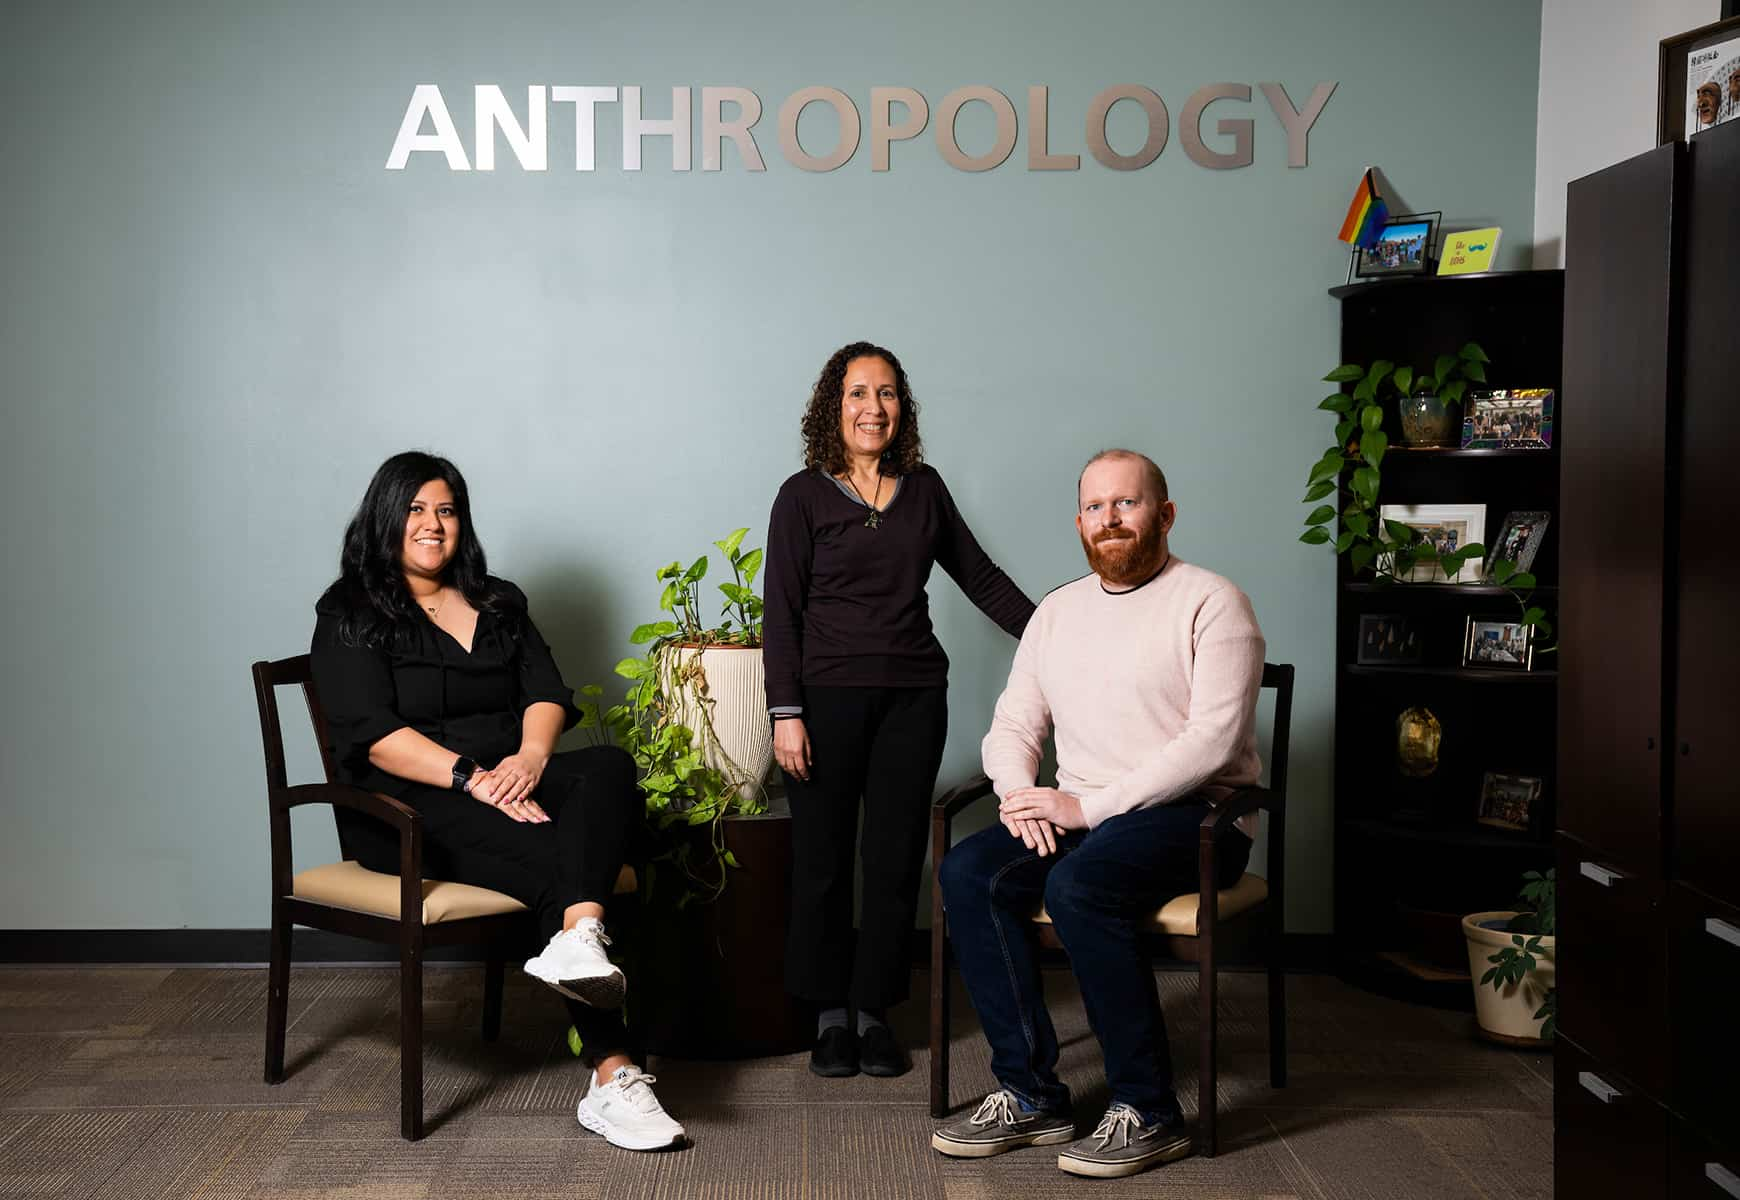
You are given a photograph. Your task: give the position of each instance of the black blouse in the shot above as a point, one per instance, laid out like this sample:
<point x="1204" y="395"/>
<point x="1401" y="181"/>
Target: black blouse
<point x="846" y="603"/>
<point x="469" y="703"/>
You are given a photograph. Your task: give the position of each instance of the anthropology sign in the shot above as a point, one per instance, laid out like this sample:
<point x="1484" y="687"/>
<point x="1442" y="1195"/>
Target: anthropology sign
<point x="897" y="114"/>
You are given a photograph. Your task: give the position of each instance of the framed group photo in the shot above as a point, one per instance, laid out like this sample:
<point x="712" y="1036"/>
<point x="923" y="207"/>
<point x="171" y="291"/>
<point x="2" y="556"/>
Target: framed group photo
<point x="1516" y="419"/>
<point x="1498" y="643"/>
<point x="1443" y="528"/>
<point x="1403" y="248"/>
<point x="1508" y="801"/>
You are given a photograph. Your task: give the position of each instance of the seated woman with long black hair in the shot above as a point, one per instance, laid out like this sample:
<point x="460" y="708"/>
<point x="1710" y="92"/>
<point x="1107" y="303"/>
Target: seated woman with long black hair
<point x="440" y="691"/>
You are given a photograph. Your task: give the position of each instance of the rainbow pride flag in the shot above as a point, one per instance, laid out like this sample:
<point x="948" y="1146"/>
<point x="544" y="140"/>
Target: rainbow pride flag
<point x="1366" y="216"/>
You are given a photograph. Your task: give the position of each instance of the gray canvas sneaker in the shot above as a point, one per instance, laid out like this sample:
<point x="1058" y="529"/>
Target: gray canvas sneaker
<point x="1122" y="1145"/>
<point x="999" y="1125"/>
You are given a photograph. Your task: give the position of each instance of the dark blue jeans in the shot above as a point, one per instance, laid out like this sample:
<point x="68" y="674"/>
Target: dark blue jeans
<point x="1100" y="888"/>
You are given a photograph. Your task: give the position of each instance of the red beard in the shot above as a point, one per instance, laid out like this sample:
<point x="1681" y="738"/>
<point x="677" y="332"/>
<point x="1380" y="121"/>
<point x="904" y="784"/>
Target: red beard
<point x="1121" y="557"/>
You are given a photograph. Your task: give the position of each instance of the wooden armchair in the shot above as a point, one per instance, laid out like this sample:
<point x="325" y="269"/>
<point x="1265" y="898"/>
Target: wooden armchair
<point x="405" y="910"/>
<point x="1195" y="927"/>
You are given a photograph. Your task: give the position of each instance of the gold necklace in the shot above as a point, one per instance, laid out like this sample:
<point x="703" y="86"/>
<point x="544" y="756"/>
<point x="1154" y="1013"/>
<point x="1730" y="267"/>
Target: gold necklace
<point x="875" y="517"/>
<point x="436" y="610"/>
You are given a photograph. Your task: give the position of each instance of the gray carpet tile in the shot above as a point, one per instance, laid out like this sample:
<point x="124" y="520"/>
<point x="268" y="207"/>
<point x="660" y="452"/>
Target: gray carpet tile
<point x="146" y="1082"/>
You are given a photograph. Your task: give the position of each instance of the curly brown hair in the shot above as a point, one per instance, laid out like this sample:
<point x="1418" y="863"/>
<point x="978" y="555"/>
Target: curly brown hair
<point x="823" y="446"/>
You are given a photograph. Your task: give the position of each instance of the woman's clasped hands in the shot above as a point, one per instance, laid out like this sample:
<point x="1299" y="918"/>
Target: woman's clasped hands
<point x="509" y="785"/>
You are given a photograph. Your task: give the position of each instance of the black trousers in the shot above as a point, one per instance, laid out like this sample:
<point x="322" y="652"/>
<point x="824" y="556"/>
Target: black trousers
<point x="882" y="746"/>
<point x="596" y="815"/>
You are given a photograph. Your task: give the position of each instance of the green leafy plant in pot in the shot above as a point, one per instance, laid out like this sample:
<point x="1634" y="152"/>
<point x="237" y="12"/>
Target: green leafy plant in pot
<point x="1516" y="998"/>
<point x="1350" y="473"/>
<point x="695" y="717"/>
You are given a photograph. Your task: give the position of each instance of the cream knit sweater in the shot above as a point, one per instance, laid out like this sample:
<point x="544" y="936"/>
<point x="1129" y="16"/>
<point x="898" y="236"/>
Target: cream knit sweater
<point x="1152" y="694"/>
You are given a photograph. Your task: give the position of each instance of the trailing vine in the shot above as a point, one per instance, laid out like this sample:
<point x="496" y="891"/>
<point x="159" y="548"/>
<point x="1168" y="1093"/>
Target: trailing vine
<point x="1351" y="471"/>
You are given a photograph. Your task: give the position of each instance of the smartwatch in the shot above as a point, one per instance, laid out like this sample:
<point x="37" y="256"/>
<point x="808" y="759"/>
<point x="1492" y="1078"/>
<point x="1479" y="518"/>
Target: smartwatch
<point x="463" y="769"/>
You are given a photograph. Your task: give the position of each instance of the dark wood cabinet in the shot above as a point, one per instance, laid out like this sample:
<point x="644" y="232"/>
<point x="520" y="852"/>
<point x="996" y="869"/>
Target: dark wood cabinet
<point x="1703" y="987"/>
<point x="1612" y="971"/>
<point x="1648" y="949"/>
<point x="1698" y="1170"/>
<point x="1610" y="1139"/>
<point x="1619" y="365"/>
<point x="1706" y="796"/>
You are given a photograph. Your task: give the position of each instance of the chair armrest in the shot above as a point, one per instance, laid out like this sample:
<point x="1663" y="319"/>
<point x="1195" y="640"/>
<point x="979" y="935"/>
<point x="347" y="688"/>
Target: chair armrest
<point x="396" y="813"/>
<point x="955" y="799"/>
<point x="1245" y="800"/>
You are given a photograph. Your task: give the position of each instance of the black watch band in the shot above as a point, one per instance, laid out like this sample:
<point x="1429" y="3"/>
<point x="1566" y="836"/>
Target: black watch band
<point x="463" y="769"/>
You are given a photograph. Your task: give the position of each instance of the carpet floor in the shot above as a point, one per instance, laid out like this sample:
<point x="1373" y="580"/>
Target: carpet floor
<point x="145" y="1082"/>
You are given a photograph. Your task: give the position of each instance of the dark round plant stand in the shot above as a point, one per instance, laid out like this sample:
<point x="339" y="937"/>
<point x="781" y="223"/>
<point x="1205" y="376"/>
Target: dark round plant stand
<point x="708" y="980"/>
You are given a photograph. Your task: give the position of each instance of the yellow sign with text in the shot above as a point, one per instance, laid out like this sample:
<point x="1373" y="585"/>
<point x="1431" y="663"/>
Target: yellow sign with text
<point x="1466" y="253"/>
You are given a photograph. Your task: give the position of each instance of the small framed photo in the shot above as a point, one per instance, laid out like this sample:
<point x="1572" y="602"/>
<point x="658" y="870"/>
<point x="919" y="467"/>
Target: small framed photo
<point x="1517" y="419"/>
<point x="1387" y="639"/>
<point x="1508" y="801"/>
<point x="1443" y="528"/>
<point x="1403" y="248"/>
<point x="1498" y="643"/>
<point x="1698" y="85"/>
<point x="1519" y="540"/>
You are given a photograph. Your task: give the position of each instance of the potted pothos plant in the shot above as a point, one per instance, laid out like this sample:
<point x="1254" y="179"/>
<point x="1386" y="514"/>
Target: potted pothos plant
<point x="1510" y="955"/>
<point x="708" y="961"/>
<point x="695" y="716"/>
<point x="1346" y="481"/>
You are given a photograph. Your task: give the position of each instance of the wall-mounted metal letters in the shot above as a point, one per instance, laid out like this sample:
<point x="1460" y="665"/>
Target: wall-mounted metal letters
<point x="529" y="143"/>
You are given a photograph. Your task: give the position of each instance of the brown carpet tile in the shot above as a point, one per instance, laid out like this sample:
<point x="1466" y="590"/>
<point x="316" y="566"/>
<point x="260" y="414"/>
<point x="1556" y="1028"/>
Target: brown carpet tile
<point x="146" y="1083"/>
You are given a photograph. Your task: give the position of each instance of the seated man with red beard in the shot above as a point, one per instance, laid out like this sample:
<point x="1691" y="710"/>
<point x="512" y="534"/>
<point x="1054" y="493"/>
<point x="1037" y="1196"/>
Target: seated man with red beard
<point x="1147" y="672"/>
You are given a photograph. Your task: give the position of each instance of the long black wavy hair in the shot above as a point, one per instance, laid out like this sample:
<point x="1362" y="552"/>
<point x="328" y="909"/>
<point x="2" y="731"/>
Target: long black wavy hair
<point x="371" y="582"/>
<point x="823" y="445"/>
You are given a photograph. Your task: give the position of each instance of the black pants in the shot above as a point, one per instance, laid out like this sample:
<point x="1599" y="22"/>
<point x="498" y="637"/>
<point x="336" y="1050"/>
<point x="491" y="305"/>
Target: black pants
<point x="884" y="746"/>
<point x="596" y="813"/>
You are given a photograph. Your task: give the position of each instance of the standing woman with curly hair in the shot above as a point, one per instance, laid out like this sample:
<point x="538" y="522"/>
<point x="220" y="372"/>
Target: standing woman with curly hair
<point x="857" y="686"/>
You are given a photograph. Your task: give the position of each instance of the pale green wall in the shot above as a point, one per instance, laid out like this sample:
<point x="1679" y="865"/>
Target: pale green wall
<point x="220" y="313"/>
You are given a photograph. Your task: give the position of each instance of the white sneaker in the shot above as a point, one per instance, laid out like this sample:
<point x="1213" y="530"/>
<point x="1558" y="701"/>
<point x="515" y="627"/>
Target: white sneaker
<point x="574" y="963"/>
<point x="626" y="1112"/>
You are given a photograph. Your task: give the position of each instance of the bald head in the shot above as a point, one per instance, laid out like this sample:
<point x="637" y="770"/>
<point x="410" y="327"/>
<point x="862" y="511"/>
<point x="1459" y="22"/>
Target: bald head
<point x="1151" y="469"/>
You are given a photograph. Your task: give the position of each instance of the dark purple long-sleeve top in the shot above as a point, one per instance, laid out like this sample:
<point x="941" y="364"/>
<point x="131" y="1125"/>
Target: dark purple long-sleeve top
<point x="846" y="604"/>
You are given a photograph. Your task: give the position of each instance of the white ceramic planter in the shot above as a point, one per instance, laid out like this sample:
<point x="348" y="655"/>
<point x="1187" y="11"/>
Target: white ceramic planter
<point x="1506" y="1014"/>
<point x="734" y="685"/>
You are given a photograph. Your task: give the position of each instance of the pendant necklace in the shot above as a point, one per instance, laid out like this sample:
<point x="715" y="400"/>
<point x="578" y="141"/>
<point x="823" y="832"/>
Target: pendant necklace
<point x="435" y="610"/>
<point x="875" y="517"/>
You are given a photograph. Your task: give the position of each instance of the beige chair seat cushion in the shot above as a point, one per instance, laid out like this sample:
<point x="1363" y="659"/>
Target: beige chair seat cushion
<point x="349" y="885"/>
<point x="1177" y="918"/>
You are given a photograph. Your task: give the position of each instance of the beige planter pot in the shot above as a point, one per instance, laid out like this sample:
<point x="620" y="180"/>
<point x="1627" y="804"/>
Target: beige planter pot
<point x="1508" y="1014"/>
<point x="726" y="687"/>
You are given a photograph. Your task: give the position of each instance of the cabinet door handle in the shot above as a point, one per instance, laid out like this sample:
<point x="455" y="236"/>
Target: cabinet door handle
<point x="1721" y="929"/>
<point x="1598" y="1087"/>
<point x="1723" y="1178"/>
<point x="1600" y="874"/>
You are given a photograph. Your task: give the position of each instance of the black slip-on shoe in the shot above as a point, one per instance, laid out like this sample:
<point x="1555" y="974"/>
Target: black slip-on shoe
<point x="835" y="1054"/>
<point x="880" y="1054"/>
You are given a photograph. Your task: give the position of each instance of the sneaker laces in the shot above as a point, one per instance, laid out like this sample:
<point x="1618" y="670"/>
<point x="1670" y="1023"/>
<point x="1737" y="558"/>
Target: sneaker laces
<point x="997" y="1109"/>
<point x="1119" y="1123"/>
<point x="591" y="933"/>
<point x="637" y="1090"/>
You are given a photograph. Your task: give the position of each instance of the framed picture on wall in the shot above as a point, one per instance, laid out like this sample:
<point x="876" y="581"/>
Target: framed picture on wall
<point x="1508" y="801"/>
<point x="1698" y="84"/>
<point x="1403" y="248"/>
<point x="1387" y="639"/>
<point x="1499" y="643"/>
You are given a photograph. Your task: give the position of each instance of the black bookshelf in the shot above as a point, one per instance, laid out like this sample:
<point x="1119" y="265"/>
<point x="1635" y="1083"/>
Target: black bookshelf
<point x="1411" y="857"/>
